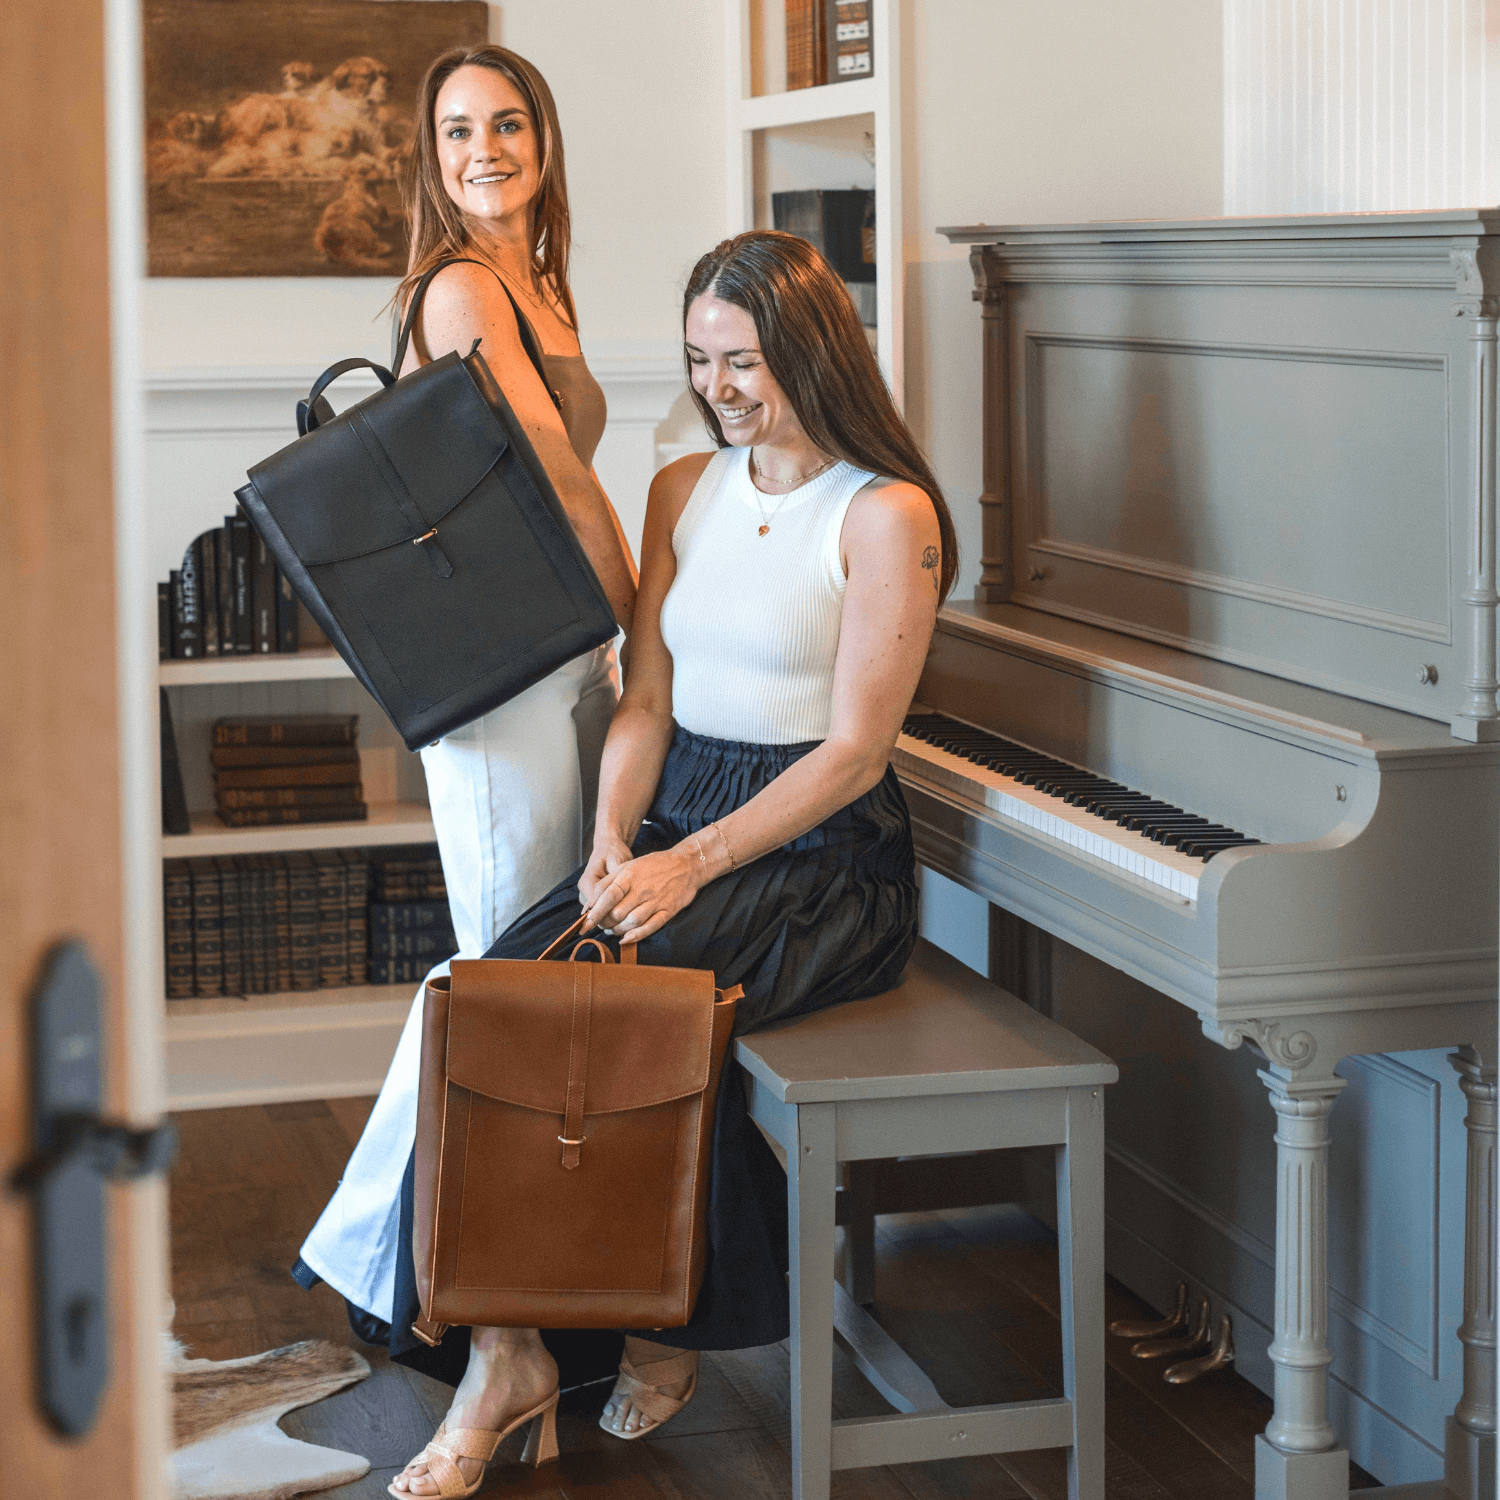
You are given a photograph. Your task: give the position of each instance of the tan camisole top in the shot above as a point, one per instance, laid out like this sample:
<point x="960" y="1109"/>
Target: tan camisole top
<point x="582" y="406"/>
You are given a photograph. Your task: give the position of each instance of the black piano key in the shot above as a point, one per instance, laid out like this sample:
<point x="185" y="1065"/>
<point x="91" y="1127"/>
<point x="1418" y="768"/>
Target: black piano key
<point x="1111" y="801"/>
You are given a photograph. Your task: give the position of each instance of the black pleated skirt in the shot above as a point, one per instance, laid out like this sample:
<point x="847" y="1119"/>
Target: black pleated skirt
<point x="831" y="916"/>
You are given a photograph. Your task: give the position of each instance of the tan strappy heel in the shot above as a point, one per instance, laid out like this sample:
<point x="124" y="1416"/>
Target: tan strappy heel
<point x="446" y="1448"/>
<point x="643" y="1386"/>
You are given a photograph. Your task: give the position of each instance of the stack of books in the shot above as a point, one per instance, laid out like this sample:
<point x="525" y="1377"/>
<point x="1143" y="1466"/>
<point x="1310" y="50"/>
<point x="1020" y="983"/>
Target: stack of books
<point x="410" y="926"/>
<point x="227" y="599"/>
<point x="301" y="768"/>
<point x="255" y="924"/>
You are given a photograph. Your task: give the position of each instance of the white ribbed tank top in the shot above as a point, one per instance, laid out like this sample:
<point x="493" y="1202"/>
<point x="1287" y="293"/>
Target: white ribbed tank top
<point x="752" y="621"/>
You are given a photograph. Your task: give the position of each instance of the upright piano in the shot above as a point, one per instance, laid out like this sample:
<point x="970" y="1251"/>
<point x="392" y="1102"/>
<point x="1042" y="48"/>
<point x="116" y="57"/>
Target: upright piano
<point x="1223" y="713"/>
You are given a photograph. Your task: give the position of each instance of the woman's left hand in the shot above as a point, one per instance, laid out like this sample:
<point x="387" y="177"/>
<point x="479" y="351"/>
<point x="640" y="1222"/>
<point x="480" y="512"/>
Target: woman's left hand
<point x="643" y="895"/>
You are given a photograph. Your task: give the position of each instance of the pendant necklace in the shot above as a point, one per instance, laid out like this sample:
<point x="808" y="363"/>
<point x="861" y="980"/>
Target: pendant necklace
<point x="765" y="519"/>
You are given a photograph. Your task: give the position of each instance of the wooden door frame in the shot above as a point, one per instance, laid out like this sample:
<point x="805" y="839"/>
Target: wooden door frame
<point x="79" y="809"/>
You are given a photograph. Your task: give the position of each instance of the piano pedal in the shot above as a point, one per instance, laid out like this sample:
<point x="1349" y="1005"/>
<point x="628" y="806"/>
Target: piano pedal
<point x="1221" y="1355"/>
<point x="1125" y="1328"/>
<point x="1195" y="1339"/>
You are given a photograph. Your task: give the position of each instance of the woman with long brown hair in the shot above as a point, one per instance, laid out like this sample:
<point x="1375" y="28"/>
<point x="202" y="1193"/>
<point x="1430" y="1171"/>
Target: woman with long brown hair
<point x="512" y="794"/>
<point x="748" y="820"/>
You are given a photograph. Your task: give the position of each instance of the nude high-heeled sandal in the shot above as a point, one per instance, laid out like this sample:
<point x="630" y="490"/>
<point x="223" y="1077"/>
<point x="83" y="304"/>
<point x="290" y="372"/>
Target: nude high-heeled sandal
<point x="642" y="1387"/>
<point x="446" y="1448"/>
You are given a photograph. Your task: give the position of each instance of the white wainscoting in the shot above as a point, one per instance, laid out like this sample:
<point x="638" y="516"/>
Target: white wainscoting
<point x="1340" y="106"/>
<point x="205" y="428"/>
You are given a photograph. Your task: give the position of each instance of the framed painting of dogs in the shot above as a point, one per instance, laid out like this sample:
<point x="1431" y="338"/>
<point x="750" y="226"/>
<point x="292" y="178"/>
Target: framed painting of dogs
<point x="277" y="131"/>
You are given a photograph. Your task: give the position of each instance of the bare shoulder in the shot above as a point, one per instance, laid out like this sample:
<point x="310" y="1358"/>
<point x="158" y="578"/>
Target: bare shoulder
<point x="465" y="289"/>
<point x="889" y="511"/>
<point x="673" y="486"/>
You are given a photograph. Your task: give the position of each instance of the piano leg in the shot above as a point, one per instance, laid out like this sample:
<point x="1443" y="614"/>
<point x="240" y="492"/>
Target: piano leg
<point x="1469" y="1463"/>
<point x="1298" y="1457"/>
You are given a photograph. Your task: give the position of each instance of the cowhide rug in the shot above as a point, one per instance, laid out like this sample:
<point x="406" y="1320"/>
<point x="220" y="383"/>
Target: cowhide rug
<point x="226" y="1444"/>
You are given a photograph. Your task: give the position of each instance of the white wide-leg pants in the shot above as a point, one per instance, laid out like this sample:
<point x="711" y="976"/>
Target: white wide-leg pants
<point x="513" y="798"/>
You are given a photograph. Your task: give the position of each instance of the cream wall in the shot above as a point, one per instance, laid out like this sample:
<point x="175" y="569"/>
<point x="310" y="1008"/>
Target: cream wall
<point x="1019" y="111"/>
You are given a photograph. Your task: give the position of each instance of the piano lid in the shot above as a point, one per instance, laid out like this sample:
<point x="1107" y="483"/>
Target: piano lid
<point x="1262" y="441"/>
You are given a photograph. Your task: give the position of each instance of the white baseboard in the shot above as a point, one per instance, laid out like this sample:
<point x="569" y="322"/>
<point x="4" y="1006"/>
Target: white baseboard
<point x="279" y="1055"/>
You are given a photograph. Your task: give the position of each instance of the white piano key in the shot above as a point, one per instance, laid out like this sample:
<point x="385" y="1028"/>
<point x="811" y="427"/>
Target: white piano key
<point x="1051" y="817"/>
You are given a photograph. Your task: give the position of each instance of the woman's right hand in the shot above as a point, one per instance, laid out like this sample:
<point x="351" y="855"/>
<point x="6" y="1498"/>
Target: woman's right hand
<point x="610" y="852"/>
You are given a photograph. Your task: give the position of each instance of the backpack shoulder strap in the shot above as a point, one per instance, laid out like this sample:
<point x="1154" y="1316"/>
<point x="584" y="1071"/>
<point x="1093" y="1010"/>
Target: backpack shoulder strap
<point x="523" y="326"/>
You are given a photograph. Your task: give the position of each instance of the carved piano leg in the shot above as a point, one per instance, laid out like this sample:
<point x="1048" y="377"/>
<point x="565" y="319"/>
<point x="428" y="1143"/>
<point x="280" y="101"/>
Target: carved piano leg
<point x="1298" y="1457"/>
<point x="1469" y="1467"/>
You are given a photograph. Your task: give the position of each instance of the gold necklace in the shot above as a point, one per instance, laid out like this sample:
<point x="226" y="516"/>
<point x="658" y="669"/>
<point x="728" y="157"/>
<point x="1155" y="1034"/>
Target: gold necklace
<point x="765" y="520"/>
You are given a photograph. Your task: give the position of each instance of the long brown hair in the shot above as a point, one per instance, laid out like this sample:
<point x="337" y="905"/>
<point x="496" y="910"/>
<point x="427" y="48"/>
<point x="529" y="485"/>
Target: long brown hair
<point x="438" y="229"/>
<point x="813" y="344"/>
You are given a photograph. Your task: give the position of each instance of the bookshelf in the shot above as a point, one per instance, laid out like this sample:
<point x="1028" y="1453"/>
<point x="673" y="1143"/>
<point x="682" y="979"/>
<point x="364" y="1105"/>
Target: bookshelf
<point x="781" y="139"/>
<point x="305" y="1044"/>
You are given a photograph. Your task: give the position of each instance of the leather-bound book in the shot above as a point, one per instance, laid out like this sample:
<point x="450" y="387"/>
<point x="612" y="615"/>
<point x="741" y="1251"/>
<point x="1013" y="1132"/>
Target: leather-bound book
<point x="333" y="928"/>
<point x="177" y="902"/>
<point x="206" y="561"/>
<point x="407" y="916"/>
<point x="288" y="615"/>
<point x="283" y="755"/>
<point x="851" y="47"/>
<point x="233" y="798"/>
<point x="208" y="957"/>
<point x="302" y="904"/>
<point x="806" y="46"/>
<point x="276" y="817"/>
<point x="224" y="585"/>
<point x="163" y="621"/>
<point x="231" y="923"/>
<point x="287" y="729"/>
<point x="338" y="774"/>
<point x="240" y="582"/>
<point x="262" y="597"/>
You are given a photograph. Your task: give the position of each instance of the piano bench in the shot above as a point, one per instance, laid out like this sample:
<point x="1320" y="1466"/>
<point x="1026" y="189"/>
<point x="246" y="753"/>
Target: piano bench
<point x="945" y="1062"/>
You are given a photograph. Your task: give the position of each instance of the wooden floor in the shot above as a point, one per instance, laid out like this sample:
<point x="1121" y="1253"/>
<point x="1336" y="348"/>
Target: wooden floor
<point x="972" y="1294"/>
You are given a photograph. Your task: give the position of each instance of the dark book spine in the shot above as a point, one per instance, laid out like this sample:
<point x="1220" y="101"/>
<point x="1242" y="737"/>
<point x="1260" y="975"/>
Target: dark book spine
<point x="177" y="900"/>
<point x="252" y="776"/>
<point x="287" y="614"/>
<point x="276" y="817"/>
<point x="233" y="798"/>
<point x="163" y="621"/>
<point x="357" y="915"/>
<point x="395" y="970"/>
<point x="281" y="909"/>
<point x="851" y="47"/>
<point x="302" y="904"/>
<point x="190" y="623"/>
<point x="231" y="923"/>
<point x="283" y="755"/>
<point x="182" y="637"/>
<point x="333" y="933"/>
<point x="174" y="813"/>
<point x="295" y="729"/>
<point x="407" y="916"/>
<point x="262" y="596"/>
<point x="224" y="579"/>
<point x="207" y="557"/>
<point x="208" y="958"/>
<point x="239" y="556"/>
<point x="435" y="945"/>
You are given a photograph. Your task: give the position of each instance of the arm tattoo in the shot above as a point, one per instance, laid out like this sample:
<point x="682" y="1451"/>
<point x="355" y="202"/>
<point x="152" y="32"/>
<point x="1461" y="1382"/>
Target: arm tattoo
<point x="930" y="562"/>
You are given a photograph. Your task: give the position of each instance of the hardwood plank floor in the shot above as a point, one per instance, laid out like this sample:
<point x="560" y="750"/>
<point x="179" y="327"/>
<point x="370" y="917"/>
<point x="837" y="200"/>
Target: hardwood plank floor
<point x="972" y="1294"/>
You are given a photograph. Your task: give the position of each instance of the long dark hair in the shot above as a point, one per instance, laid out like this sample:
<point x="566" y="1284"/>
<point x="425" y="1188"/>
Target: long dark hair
<point x="438" y="229"/>
<point x="814" y="346"/>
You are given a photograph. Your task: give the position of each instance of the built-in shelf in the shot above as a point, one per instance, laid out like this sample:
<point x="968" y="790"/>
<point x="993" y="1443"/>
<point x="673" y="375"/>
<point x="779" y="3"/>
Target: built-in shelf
<point x="291" y="666"/>
<point x="309" y="1044"/>
<point x="388" y="823"/>
<point x="829" y="101"/>
<point x="289" y="1001"/>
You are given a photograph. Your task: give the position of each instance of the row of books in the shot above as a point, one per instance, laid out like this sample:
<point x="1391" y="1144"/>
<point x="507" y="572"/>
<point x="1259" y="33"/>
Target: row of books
<point x="297" y="768"/>
<point x="828" y="40"/>
<point x="253" y="924"/>
<point x="228" y="598"/>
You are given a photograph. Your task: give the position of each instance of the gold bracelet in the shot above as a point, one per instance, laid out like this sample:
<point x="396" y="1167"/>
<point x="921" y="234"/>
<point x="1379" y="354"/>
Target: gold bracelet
<point x="725" y="842"/>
